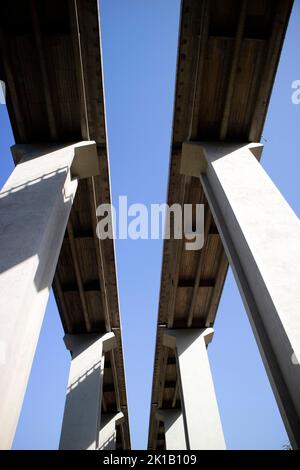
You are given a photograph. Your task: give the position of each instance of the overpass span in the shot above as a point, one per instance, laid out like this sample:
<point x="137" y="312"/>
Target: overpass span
<point x="50" y="60"/>
<point x="228" y="54"/>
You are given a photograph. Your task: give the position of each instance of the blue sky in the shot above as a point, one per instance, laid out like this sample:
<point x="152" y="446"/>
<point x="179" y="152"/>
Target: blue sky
<point x="139" y="40"/>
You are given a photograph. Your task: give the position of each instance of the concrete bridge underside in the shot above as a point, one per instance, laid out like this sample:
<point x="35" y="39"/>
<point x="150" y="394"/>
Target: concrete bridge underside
<point x="50" y="60"/>
<point x="228" y="54"/>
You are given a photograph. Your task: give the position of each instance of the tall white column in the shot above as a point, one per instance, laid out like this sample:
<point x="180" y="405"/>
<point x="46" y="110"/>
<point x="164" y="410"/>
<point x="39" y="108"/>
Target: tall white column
<point x="261" y="236"/>
<point x="35" y="204"/>
<point x="201" y="417"/>
<point x="108" y="434"/>
<point x="82" y="415"/>
<point x="174" y="429"/>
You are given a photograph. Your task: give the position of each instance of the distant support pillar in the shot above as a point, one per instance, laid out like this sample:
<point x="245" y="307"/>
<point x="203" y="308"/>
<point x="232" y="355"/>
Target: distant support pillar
<point x="202" y="423"/>
<point x="108" y="432"/>
<point x="261" y="236"/>
<point x="174" y="429"/>
<point x="82" y="416"/>
<point x="35" y="204"/>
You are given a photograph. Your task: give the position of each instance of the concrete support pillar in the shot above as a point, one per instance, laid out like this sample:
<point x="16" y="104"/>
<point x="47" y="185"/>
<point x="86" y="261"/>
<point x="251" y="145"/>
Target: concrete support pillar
<point x="108" y="434"/>
<point x="174" y="429"/>
<point x="201" y="417"/>
<point x="82" y="415"/>
<point x="35" y="204"/>
<point x="261" y="236"/>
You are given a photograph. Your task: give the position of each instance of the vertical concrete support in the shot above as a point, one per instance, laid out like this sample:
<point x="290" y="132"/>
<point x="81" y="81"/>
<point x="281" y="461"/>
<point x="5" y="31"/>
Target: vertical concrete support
<point x="261" y="236"/>
<point x="35" y="204"/>
<point x="82" y="415"/>
<point x="108" y="434"/>
<point x="201" y="417"/>
<point x="174" y="429"/>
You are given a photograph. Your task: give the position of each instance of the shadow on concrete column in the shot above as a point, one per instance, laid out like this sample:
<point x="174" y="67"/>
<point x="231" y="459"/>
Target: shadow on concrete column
<point x="35" y="204"/>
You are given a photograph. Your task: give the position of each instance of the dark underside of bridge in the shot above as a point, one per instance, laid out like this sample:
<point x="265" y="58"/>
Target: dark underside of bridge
<point x="227" y="59"/>
<point x="50" y="60"/>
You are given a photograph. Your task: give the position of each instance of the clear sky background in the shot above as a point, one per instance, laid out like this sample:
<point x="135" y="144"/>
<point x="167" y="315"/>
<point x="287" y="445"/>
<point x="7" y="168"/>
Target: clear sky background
<point x="139" y="40"/>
